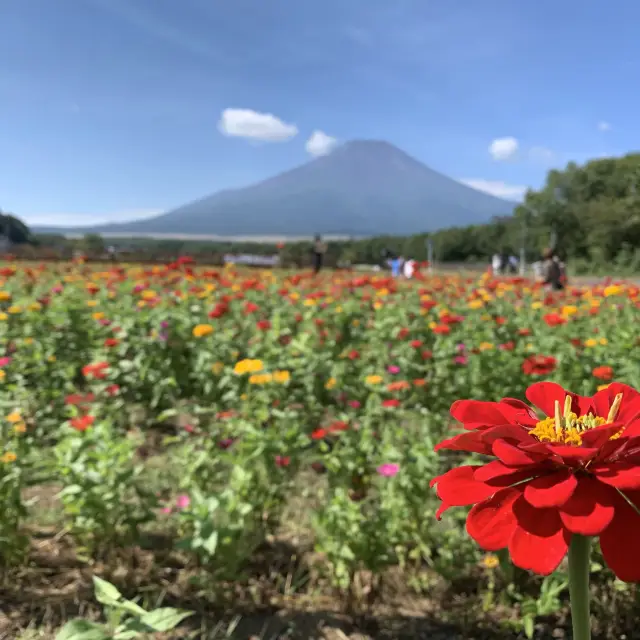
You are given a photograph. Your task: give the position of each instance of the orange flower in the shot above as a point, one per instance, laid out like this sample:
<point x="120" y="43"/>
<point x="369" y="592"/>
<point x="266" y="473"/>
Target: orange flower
<point x="82" y="423"/>
<point x="399" y="385"/>
<point x="603" y="373"/>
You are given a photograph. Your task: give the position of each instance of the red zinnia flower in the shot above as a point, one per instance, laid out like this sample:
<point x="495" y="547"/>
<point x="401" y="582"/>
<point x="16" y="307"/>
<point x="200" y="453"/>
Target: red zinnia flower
<point x="538" y="365"/>
<point x="576" y="471"/>
<point x="82" y="423"/>
<point x="393" y="403"/>
<point x="554" y="319"/>
<point x="603" y="373"/>
<point x="111" y="342"/>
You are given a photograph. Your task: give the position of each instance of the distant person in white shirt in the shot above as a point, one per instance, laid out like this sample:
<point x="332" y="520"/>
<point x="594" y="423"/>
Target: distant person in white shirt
<point x="408" y="268"/>
<point x="496" y="264"/>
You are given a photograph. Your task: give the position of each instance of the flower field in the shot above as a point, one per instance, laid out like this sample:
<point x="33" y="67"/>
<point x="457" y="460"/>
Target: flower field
<point x="257" y="449"/>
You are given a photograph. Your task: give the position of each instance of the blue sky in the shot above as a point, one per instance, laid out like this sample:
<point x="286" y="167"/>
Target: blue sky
<point x="115" y="109"/>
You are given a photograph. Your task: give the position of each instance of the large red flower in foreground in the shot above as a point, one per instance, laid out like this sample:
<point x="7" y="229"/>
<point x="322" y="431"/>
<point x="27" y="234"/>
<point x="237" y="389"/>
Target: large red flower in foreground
<point x="574" y="471"/>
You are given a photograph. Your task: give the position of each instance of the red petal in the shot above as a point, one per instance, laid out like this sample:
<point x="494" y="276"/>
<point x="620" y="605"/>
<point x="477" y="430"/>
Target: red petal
<point x="600" y="435"/>
<point x="551" y="490"/>
<point x="544" y="395"/>
<point x="619" y="542"/>
<point x="621" y="475"/>
<point x="590" y="510"/>
<point x="571" y="455"/>
<point x="539" y="542"/>
<point x="476" y="413"/>
<point x="458" y="487"/>
<point x="629" y="408"/>
<point x="498" y="474"/>
<point x="514" y="456"/>
<point x="491" y="523"/>
<point x="480" y="440"/>
<point x="518" y="412"/>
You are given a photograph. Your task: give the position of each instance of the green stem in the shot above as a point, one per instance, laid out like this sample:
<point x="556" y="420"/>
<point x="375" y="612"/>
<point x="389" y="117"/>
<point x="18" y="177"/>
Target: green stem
<point x="579" y="565"/>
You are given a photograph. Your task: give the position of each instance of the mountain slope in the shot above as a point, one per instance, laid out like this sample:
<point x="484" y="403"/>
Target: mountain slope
<point x="364" y="187"/>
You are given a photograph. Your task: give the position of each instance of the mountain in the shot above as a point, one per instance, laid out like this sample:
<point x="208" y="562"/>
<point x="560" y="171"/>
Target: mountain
<point x="364" y="187"/>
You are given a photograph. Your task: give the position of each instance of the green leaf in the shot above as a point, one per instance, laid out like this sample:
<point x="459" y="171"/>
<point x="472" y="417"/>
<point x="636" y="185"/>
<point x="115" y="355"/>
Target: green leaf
<point x="106" y="593"/>
<point x="211" y="543"/>
<point x="529" y="628"/>
<point x="82" y="630"/>
<point x="164" y="619"/>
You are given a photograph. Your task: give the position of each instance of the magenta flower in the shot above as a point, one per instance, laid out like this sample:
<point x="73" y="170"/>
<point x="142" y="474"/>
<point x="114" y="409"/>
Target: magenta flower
<point x="355" y="404"/>
<point x="4" y="361"/>
<point x="394" y="368"/>
<point x="388" y="469"/>
<point x="460" y="360"/>
<point x="183" y="502"/>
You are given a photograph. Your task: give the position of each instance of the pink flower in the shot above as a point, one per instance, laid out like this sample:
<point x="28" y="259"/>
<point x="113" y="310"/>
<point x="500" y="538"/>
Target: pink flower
<point x="183" y="502"/>
<point x="4" y="361"/>
<point x="394" y="368"/>
<point x="460" y="359"/>
<point x="388" y="469"/>
<point x="166" y="510"/>
<point x="355" y="404"/>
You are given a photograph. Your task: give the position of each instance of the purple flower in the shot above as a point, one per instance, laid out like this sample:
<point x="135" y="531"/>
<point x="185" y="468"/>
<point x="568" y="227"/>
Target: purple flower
<point x="388" y="469"/>
<point x="164" y="324"/>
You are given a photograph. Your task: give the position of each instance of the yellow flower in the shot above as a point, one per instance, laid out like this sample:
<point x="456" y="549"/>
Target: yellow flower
<point x="603" y="341"/>
<point x="331" y="382"/>
<point x="248" y="366"/>
<point x="148" y="294"/>
<point x="51" y="358"/>
<point x="35" y="306"/>
<point x="217" y="367"/>
<point x="590" y="342"/>
<point x="281" y="377"/>
<point x="28" y="340"/>
<point x="98" y="315"/>
<point x="92" y="303"/>
<point x="14" y="417"/>
<point x="374" y="379"/>
<point x="201" y="330"/>
<point x="3" y="316"/>
<point x="536" y="305"/>
<point x="569" y="310"/>
<point x="476" y="304"/>
<point x="21" y="427"/>
<point x="3" y="374"/>
<point x="4" y="296"/>
<point x="613" y="290"/>
<point x="356" y="323"/>
<point x="490" y="561"/>
<point x="310" y="302"/>
<point x="8" y="457"/>
<point x="260" y="378"/>
<point x="14" y="309"/>
<point x="485" y="346"/>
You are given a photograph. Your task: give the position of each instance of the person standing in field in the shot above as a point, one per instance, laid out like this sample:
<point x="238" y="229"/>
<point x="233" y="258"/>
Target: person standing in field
<point x="319" y="249"/>
<point x="552" y="270"/>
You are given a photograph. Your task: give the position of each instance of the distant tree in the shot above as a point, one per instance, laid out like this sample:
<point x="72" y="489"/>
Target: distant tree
<point x="93" y="244"/>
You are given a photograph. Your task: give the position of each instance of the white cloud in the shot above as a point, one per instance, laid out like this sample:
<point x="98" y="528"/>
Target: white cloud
<point x="87" y="219"/>
<point x="246" y="123"/>
<point x="320" y="144"/>
<point x="503" y="148"/>
<point x="604" y="126"/>
<point x="496" y="188"/>
<point x="541" y="154"/>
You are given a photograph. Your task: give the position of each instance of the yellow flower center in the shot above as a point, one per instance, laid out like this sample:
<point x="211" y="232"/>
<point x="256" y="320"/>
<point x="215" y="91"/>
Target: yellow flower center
<point x="567" y="427"/>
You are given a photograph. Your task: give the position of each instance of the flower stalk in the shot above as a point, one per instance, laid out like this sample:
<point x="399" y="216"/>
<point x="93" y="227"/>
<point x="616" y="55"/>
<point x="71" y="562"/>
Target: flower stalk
<point x="579" y="566"/>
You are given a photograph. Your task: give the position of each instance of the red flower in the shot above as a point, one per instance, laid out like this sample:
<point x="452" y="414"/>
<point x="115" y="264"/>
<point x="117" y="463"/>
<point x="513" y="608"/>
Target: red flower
<point x="283" y="461"/>
<point x="97" y="370"/>
<point x="393" y="403"/>
<point x="111" y="342"/>
<point x="603" y="373"/>
<point x="442" y="329"/>
<point x="82" y="423"/>
<point x="553" y="319"/>
<point x="576" y="471"/>
<point x="263" y="325"/>
<point x="416" y="344"/>
<point x="538" y="365"/>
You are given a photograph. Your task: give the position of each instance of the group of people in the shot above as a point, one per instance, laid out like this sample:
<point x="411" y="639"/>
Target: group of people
<point x="400" y="265"/>
<point x="501" y="264"/>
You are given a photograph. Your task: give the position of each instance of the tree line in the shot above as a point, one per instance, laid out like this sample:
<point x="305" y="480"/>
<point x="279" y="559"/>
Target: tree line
<point x="590" y="212"/>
